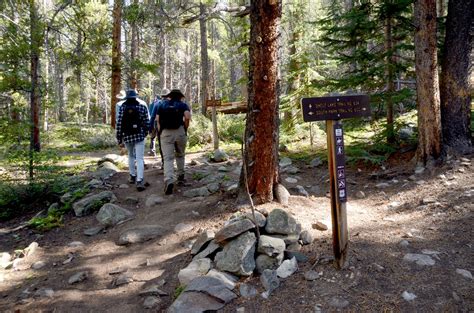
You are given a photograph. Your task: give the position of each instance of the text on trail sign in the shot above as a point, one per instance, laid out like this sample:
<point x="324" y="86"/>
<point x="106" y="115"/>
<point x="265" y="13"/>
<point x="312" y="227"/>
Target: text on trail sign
<point x="340" y="163"/>
<point x="335" y="108"/>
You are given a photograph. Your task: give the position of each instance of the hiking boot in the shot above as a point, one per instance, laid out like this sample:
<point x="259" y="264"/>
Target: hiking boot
<point x="132" y="179"/>
<point x="169" y="188"/>
<point x="181" y="180"/>
<point x="140" y="185"/>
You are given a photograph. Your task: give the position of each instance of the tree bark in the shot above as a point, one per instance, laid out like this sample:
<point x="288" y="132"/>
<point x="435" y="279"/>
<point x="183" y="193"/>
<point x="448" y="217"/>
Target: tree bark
<point x="134" y="52"/>
<point x="35" y="101"/>
<point x="454" y="87"/>
<point x="427" y="86"/>
<point x="389" y="72"/>
<point x="261" y="131"/>
<point x="116" y="66"/>
<point x="204" y="60"/>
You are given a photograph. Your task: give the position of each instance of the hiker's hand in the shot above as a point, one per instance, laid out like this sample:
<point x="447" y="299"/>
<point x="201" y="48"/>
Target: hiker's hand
<point x="121" y="145"/>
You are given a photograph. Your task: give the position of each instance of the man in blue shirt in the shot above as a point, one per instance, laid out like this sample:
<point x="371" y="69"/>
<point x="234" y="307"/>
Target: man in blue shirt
<point x="153" y="124"/>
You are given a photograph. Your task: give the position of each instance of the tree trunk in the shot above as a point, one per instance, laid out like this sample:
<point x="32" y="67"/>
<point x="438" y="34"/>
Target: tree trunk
<point x="116" y="66"/>
<point x="427" y="86"/>
<point x="204" y="60"/>
<point x="454" y="87"/>
<point x="389" y="72"/>
<point x="261" y="131"/>
<point x="134" y="53"/>
<point x="187" y="69"/>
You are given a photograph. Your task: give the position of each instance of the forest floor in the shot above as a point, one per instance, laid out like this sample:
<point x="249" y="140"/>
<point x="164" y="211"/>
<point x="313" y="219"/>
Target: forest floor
<point x="430" y="213"/>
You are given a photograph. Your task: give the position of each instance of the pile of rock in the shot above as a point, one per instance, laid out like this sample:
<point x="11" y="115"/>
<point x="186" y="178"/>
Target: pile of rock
<point x="235" y="251"/>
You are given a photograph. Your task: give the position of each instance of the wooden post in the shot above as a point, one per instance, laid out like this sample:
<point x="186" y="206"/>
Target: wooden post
<point x="215" y="134"/>
<point x="338" y="208"/>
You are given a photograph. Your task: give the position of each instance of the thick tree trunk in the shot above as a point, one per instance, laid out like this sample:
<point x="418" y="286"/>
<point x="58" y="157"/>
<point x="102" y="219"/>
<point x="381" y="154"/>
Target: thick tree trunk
<point x="390" y="77"/>
<point x="261" y="132"/>
<point x="454" y="87"/>
<point x="427" y="86"/>
<point x="187" y="69"/>
<point x="204" y="60"/>
<point x="116" y="66"/>
<point x="35" y="101"/>
<point x="134" y="53"/>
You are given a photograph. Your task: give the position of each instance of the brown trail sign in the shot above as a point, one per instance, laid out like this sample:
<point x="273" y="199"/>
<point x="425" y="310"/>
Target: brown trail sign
<point x="331" y="110"/>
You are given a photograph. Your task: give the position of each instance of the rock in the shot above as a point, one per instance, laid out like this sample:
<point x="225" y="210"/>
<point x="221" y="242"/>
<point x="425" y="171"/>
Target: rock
<point x="281" y="194"/>
<point x="105" y="171"/>
<point x="211" y="286"/>
<point x="288" y="239"/>
<point x="300" y="257"/>
<point x="183" y="228"/>
<point x="153" y="290"/>
<point x="91" y="203"/>
<point x="92" y="231"/>
<point x="293" y="247"/>
<point x="306" y="237"/>
<point x="280" y="222"/>
<point x="94" y="183"/>
<point x="53" y="208"/>
<point x="291" y="180"/>
<point x="420" y="259"/>
<point x="287" y="268"/>
<point x="111" y="214"/>
<point x="269" y="280"/>
<point x="113" y="158"/>
<point x="20" y="264"/>
<point x="464" y="273"/>
<point x="65" y="198"/>
<point x="247" y="291"/>
<point x="139" y="234"/>
<point x="122" y="279"/>
<point x="219" y="156"/>
<point x="5" y="258"/>
<point x="233" y="229"/>
<point x="208" y="251"/>
<point x="76" y="244"/>
<point x="311" y="275"/>
<point x="265" y="262"/>
<point x="196" y="192"/>
<point x="194" y="269"/>
<point x="301" y="191"/>
<point x="213" y="187"/>
<point x="408" y="296"/>
<point x="285" y="162"/>
<point x="404" y="243"/>
<point x="360" y="194"/>
<point x="223" y="169"/>
<point x="44" y="293"/>
<point x="291" y="170"/>
<point x="393" y="205"/>
<point x="271" y="246"/>
<point x="419" y="170"/>
<point x="37" y="265"/>
<point x="195" y="302"/>
<point x="77" y="278"/>
<point x="338" y="302"/>
<point x="124" y="186"/>
<point x="238" y="255"/>
<point x="31" y="249"/>
<point x="153" y="200"/>
<point x="315" y="162"/>
<point x="151" y="302"/>
<point x="233" y="187"/>
<point x="261" y="219"/>
<point x="226" y="279"/>
<point x="428" y="201"/>
<point x="202" y="240"/>
<point x="382" y="185"/>
<point x="406" y="133"/>
<point x="131" y="200"/>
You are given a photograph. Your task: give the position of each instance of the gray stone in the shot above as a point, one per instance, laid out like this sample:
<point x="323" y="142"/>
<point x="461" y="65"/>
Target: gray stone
<point x="113" y="158"/>
<point x="233" y="187"/>
<point x="238" y="255"/>
<point x="153" y="200"/>
<point x="94" y="183"/>
<point x="44" y="293"/>
<point x="280" y="222"/>
<point x="419" y="169"/>
<point x="195" y="302"/>
<point x="269" y="280"/>
<point x="208" y="251"/>
<point x="151" y="302"/>
<point x="285" y="162"/>
<point x="360" y="194"/>
<point x="306" y="237"/>
<point x="111" y="214"/>
<point x="338" y="302"/>
<point x="220" y="156"/>
<point x="265" y="262"/>
<point x="53" y="208"/>
<point x="406" y="133"/>
<point x="122" y="279"/>
<point x="465" y="273"/>
<point x="420" y="259"/>
<point x="211" y="286"/>
<point x="131" y="200"/>
<point x="300" y="257"/>
<point x="429" y="200"/>
<point x="223" y="169"/>
<point x="228" y="280"/>
<point x="76" y="244"/>
<point x="31" y="249"/>
<point x="311" y="275"/>
<point x="288" y="239"/>
<point x="5" y="258"/>
<point x="382" y="185"/>
<point x="65" y="198"/>
<point x="408" y="296"/>
<point x="92" y="231"/>
<point x="315" y="162"/>
<point x="215" y="178"/>
<point x="291" y="180"/>
<point x="281" y="194"/>
<point x="213" y="187"/>
<point x="196" y="192"/>
<point x="261" y="219"/>
<point x="287" y="268"/>
<point x="247" y="291"/>
<point x="203" y="238"/>
<point x="153" y="290"/>
<point x="294" y="247"/>
<point x="37" y="265"/>
<point x="140" y="234"/>
<point x="291" y="170"/>
<point x="91" y="203"/>
<point x="105" y="171"/>
<point x="301" y="191"/>
<point x="78" y="277"/>
<point x="195" y="269"/>
<point x="404" y="243"/>
<point x="319" y="225"/>
<point x="183" y="228"/>
<point x="124" y="186"/>
<point x="233" y="229"/>
<point x="271" y="246"/>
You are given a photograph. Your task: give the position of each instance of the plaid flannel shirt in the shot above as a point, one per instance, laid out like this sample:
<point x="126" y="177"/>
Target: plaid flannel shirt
<point x="144" y="119"/>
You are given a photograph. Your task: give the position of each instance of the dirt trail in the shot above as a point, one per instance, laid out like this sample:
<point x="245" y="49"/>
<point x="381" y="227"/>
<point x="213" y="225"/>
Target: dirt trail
<point x="384" y="226"/>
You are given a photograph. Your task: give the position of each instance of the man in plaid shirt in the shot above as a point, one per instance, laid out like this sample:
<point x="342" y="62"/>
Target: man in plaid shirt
<point x="133" y="135"/>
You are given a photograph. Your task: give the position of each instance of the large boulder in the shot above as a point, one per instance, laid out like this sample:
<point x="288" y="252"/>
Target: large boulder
<point x="92" y="203"/>
<point x="195" y="302"/>
<point x="195" y="269"/>
<point x="238" y="255"/>
<point x="280" y="222"/>
<point x="271" y="246"/>
<point x="219" y="156"/>
<point x="111" y="214"/>
<point x="140" y="234"/>
<point x="211" y="286"/>
<point x="202" y="240"/>
<point x="197" y="192"/>
<point x="105" y="170"/>
<point x="233" y="229"/>
<point x="281" y="194"/>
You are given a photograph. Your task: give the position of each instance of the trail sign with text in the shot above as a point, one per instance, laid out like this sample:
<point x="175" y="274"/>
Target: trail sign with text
<point x="331" y="110"/>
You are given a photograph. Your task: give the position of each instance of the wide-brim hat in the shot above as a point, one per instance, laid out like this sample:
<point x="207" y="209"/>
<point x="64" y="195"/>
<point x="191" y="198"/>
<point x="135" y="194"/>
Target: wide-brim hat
<point x="164" y="92"/>
<point x="131" y="94"/>
<point x="175" y="93"/>
<point x="121" y="95"/>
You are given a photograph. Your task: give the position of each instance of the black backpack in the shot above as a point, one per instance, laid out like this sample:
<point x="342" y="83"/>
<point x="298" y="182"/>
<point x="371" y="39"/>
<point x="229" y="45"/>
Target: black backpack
<point x="131" y="122"/>
<point x="171" y="117"/>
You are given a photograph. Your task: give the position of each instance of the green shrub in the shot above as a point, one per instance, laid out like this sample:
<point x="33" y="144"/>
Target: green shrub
<point x="231" y="127"/>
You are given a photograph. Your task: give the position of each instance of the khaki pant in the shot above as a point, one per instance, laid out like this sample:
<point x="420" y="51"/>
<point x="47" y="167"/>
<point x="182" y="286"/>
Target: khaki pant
<point x="173" y="144"/>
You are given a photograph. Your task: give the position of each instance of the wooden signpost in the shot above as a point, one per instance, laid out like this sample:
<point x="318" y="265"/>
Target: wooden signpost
<point x="331" y="110"/>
